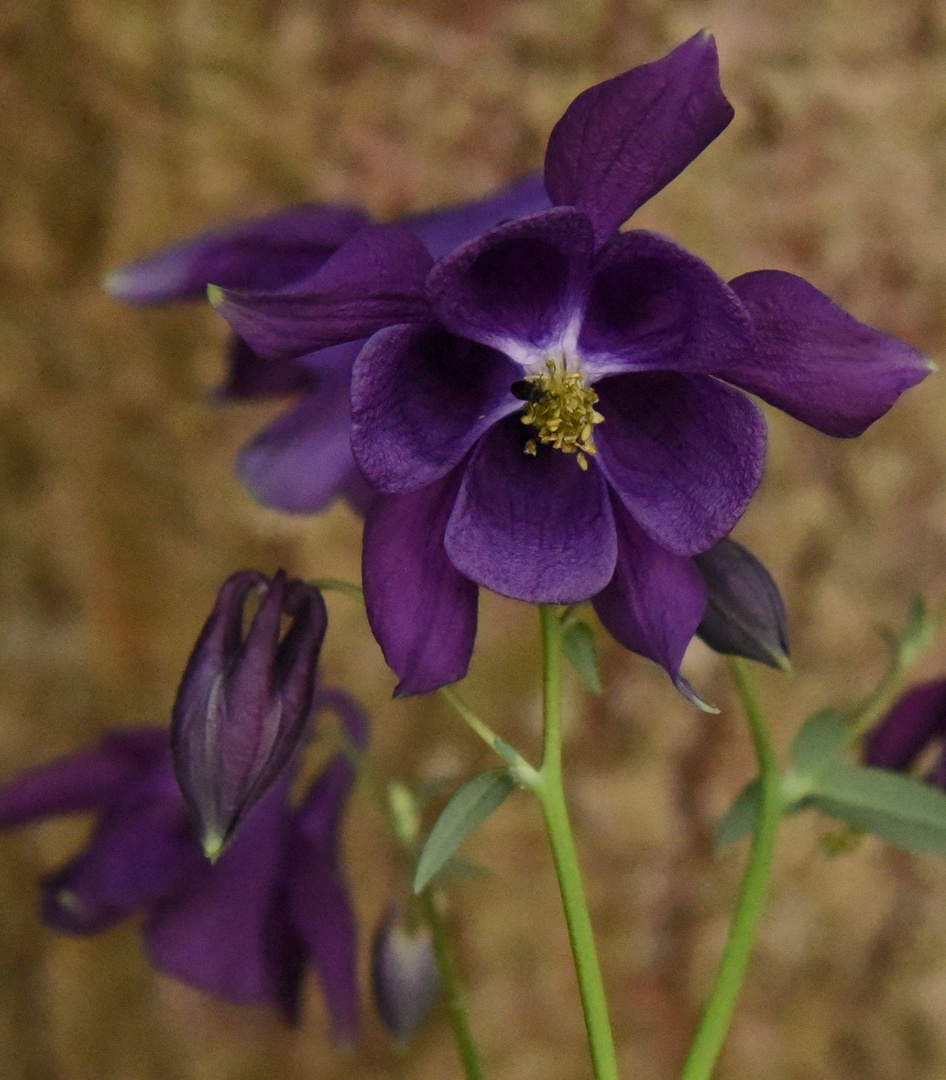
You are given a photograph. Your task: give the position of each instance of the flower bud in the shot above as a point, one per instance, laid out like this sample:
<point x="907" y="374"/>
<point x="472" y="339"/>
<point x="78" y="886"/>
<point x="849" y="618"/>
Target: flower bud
<point x="245" y="699"/>
<point x="745" y="614"/>
<point x="404" y="974"/>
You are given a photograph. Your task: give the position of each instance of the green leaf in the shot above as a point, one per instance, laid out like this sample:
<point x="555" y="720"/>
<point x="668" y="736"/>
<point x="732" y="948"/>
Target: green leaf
<point x="820" y="743"/>
<point x="469" y="807"/>
<point x="579" y="645"/>
<point x="740" y="819"/>
<point x="907" y="812"/>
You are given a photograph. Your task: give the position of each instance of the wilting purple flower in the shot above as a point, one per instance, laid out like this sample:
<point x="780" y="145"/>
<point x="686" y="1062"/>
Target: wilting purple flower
<point x="245" y="700"/>
<point x="916" y="722"/>
<point x="302" y="461"/>
<point x="404" y="973"/>
<point x="745" y="614"/>
<point x="242" y="928"/>
<point x="554" y="410"/>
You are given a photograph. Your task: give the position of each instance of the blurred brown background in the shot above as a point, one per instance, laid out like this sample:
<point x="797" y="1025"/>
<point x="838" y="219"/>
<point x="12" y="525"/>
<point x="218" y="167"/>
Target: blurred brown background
<point x="125" y="124"/>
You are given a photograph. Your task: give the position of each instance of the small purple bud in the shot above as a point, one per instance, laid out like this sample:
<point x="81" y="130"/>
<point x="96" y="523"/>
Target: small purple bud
<point x="745" y="614"/>
<point x="404" y="974"/>
<point x="915" y="722"/>
<point x="245" y="699"/>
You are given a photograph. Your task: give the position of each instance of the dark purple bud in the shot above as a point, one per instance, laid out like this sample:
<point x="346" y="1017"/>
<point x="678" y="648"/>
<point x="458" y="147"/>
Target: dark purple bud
<point x="245" y="699"/>
<point x="745" y="613"/>
<point x="404" y="974"/>
<point x="917" y="719"/>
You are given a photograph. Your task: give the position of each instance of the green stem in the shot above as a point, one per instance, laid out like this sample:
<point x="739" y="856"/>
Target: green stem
<point x="547" y="784"/>
<point x="521" y="770"/>
<point x="452" y="988"/>
<point x="714" y="1027"/>
<point x="353" y="592"/>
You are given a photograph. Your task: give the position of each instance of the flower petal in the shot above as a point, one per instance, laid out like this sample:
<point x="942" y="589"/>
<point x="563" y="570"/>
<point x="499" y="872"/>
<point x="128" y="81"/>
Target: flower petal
<point x="143" y="850"/>
<point x="319" y="904"/>
<point x="300" y="463"/>
<point x="374" y="280"/>
<point x="251" y="376"/>
<point x="518" y="287"/>
<point x="534" y="528"/>
<point x="684" y="454"/>
<point x="224" y="933"/>
<point x="623" y="140"/>
<point x="355" y="721"/>
<point x="917" y="718"/>
<point x="420" y="399"/>
<point x="422" y="611"/>
<point x="815" y="361"/>
<point x="443" y="230"/>
<point x="263" y="253"/>
<point x="654" y="306"/>
<point x="655" y="600"/>
<point x="87" y="780"/>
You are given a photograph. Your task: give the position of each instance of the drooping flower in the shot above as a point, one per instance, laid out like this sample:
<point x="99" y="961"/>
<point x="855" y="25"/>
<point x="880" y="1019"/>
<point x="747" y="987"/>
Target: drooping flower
<point x="916" y="723"/>
<point x="301" y="461"/>
<point x="555" y="409"/>
<point x="242" y="928"/>
<point x="245" y="700"/>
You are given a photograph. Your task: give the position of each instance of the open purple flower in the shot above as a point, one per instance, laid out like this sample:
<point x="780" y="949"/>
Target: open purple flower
<point x="555" y="409"/>
<point x="916" y="723"/>
<point x="301" y="461"/>
<point x="242" y="928"/>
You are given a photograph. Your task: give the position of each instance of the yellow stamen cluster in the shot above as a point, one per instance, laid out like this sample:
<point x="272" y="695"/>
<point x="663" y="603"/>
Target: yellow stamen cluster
<point x="562" y="410"/>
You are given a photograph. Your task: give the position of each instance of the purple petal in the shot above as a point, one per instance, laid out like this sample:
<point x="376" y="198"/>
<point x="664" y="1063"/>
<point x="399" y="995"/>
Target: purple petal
<point x="654" y="306"/>
<point x="375" y="280"/>
<point x="917" y="718"/>
<point x="263" y="253"/>
<point x="444" y="230"/>
<point x="251" y="376"/>
<point x="815" y="361"/>
<point x="421" y="610"/>
<point x="300" y="463"/>
<point x="623" y="140"/>
<point x="420" y="399"/>
<point x="355" y="720"/>
<point x="684" y="453"/>
<point x="655" y="600"/>
<point x="225" y="933"/>
<point x="319" y="905"/>
<point x="518" y="287"/>
<point x="88" y="780"/>
<point x="142" y="850"/>
<point x="534" y="528"/>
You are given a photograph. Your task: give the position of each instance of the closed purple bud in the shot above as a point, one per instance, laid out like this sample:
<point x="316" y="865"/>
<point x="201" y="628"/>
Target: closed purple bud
<point x="745" y="614"/>
<point x="245" y="699"/>
<point x="404" y="974"/>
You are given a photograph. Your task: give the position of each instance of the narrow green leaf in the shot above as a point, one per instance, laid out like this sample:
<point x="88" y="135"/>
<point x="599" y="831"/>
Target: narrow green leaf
<point x="579" y="645"/>
<point x="820" y="743"/>
<point x="740" y="819"/>
<point x="907" y="812"/>
<point x="469" y="807"/>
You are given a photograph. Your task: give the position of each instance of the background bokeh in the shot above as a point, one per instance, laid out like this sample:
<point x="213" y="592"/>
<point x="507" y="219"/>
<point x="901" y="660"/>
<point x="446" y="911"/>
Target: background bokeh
<point x="125" y="124"/>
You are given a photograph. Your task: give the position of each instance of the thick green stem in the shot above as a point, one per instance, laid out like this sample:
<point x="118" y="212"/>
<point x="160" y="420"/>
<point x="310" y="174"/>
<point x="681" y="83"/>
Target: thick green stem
<point x="714" y="1027"/>
<point x="548" y="786"/>
<point x="452" y="988"/>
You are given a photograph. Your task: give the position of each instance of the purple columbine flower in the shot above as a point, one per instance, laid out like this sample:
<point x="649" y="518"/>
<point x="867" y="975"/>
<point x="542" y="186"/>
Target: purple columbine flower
<point x="302" y="461"/>
<point x="555" y="409"/>
<point x="242" y="928"/>
<point x="245" y="699"/>
<point x="915" y="723"/>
